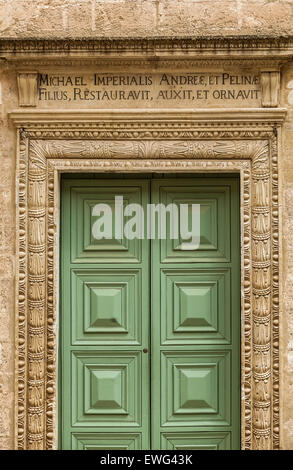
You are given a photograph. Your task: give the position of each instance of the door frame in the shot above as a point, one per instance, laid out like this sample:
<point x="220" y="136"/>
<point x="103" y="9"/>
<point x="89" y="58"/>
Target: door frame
<point x="52" y="142"/>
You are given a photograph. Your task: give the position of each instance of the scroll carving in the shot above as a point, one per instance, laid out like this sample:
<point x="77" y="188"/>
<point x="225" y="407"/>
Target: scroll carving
<point x="40" y="160"/>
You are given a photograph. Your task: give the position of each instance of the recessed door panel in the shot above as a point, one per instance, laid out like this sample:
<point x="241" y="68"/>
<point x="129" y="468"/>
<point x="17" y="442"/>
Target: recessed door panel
<point x="150" y="331"/>
<point x="106" y="441"/>
<point x="196" y="441"/>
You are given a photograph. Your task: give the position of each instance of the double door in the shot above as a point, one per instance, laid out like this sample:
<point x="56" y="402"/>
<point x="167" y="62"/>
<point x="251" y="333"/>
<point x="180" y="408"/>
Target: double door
<point x="149" y="353"/>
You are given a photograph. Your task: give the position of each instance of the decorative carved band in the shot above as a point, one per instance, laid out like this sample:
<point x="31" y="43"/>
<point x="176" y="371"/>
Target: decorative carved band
<point x="40" y="161"/>
<point x="148" y="149"/>
<point x="151" y="46"/>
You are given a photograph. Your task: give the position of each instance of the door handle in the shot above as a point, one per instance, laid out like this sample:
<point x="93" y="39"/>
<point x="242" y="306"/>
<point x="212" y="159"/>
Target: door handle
<point x="145" y="350"/>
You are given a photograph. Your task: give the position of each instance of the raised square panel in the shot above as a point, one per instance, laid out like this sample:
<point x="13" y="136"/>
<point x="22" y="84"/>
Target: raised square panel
<point x="106" y="388"/>
<point x="106" y="441"/>
<point x="196" y="441"/>
<point x="104" y="392"/>
<point x="195" y="306"/>
<point x="208" y="220"/>
<point x="215" y="222"/>
<point x="195" y="388"/>
<point x="84" y="247"/>
<point x="106" y="306"/>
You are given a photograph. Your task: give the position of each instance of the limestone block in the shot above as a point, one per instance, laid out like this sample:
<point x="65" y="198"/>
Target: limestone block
<point x="83" y="18"/>
<point x="197" y="17"/>
<point x="6" y="443"/>
<point x="133" y="18"/>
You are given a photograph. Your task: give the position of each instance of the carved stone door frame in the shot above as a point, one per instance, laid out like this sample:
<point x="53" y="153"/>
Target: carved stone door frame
<point x="52" y="142"/>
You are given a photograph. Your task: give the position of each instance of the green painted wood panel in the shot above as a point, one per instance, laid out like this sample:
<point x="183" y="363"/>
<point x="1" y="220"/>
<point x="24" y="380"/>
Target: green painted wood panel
<point x="195" y="367"/>
<point x="121" y="296"/>
<point x="104" y="375"/>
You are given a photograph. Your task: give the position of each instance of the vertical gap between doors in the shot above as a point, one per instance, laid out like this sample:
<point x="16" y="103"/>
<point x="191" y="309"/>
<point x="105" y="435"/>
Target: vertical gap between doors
<point x="150" y="324"/>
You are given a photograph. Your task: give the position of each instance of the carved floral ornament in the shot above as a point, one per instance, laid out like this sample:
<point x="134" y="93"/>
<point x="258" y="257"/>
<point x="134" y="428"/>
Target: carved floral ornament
<point x="47" y="149"/>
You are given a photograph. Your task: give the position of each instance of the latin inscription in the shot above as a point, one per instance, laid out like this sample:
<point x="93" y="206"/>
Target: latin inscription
<point x="150" y="90"/>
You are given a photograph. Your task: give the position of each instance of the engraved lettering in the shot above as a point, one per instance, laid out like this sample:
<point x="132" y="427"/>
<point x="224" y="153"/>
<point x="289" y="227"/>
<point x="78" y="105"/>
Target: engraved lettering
<point x="159" y="89"/>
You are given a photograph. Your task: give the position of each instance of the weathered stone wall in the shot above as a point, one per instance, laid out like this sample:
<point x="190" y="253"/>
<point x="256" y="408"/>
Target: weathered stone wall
<point x="8" y="100"/>
<point x="286" y="334"/>
<point x="127" y="18"/>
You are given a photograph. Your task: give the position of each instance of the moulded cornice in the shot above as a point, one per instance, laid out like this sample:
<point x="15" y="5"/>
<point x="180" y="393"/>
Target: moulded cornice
<point x="152" y="47"/>
<point x="35" y="117"/>
<point x="152" y="63"/>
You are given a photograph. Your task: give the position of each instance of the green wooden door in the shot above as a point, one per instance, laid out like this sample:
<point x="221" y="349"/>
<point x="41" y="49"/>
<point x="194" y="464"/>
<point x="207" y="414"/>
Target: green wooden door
<point x="149" y="333"/>
<point x="104" y="324"/>
<point x="195" y="360"/>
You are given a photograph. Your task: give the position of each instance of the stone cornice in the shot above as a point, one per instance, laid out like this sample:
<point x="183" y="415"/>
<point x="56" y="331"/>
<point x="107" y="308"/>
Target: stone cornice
<point x="36" y="118"/>
<point x="156" y="47"/>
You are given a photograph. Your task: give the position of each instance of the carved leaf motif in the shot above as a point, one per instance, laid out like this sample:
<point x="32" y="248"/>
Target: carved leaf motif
<point x="262" y="389"/>
<point x="261" y="223"/>
<point x="37" y="263"/>
<point x="36" y="395"/>
<point x="228" y="149"/>
<point x="260" y="250"/>
<point x="37" y="290"/>
<point x="261" y="278"/>
<point x="145" y="149"/>
<point x="36" y="444"/>
<point x="262" y="418"/>
<point x="261" y="305"/>
<point x="261" y="442"/>
<point x="36" y="316"/>
<point x="262" y="366"/>
<point x="37" y="231"/>
<point x="261" y="193"/>
<point x="36" y="343"/>
<point x="261" y="333"/>
<point x="260" y="156"/>
<point x="37" y="157"/>
<point x="37" y="194"/>
<point x="36" y="370"/>
<point x="35" y="423"/>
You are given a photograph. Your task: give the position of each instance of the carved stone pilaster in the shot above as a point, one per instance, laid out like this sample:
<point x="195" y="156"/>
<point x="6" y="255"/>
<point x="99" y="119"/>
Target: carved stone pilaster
<point x="37" y="301"/>
<point x="261" y="301"/>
